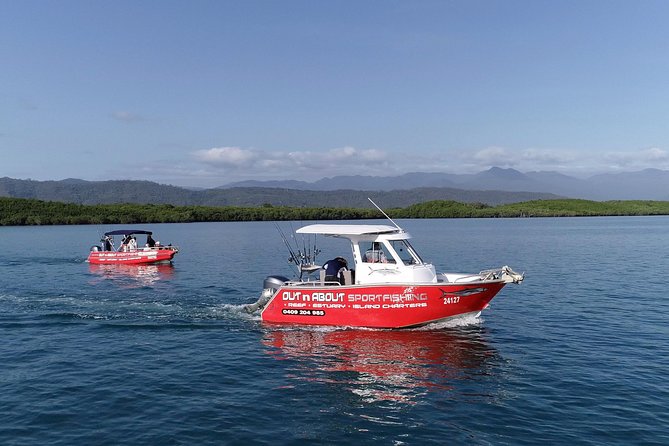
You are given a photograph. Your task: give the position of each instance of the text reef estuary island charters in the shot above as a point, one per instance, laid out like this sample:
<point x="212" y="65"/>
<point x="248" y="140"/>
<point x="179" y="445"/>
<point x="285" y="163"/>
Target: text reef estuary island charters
<point x="129" y="251"/>
<point x="390" y="285"/>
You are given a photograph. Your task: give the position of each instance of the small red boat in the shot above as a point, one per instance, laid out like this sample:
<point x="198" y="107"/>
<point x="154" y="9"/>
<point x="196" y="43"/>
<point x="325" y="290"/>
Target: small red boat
<point x="390" y="285"/>
<point x="129" y="251"/>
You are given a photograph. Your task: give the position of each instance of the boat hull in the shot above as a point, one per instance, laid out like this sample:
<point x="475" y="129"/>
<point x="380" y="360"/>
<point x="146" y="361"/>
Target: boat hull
<point x="132" y="257"/>
<point x="377" y="306"/>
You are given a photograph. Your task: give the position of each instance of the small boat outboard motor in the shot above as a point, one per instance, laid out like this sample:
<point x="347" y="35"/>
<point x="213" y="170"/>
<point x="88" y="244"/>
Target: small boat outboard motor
<point x="270" y="286"/>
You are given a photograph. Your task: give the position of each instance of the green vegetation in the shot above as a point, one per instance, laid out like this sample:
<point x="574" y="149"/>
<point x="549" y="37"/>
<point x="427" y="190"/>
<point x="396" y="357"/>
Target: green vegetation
<point x="18" y="211"/>
<point x="578" y="208"/>
<point x="535" y="208"/>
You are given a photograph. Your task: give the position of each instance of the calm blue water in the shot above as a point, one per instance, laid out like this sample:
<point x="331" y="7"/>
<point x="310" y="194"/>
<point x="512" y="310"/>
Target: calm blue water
<point x="578" y="354"/>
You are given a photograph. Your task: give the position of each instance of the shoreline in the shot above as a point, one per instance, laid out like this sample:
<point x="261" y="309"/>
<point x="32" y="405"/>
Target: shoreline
<point x="30" y="212"/>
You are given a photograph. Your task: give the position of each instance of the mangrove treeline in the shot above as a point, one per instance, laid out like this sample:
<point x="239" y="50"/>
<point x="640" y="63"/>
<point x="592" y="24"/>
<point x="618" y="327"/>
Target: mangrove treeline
<point x="18" y="212"/>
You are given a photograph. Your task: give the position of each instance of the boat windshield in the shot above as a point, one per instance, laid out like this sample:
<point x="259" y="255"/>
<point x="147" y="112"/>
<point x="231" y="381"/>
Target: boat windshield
<point x="406" y="252"/>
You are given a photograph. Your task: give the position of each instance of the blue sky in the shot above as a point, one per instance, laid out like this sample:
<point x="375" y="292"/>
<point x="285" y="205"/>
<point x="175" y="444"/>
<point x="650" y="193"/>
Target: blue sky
<point x="203" y="93"/>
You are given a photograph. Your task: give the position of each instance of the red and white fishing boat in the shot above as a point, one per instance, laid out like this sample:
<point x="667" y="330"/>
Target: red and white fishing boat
<point x="390" y="285"/>
<point x="129" y="252"/>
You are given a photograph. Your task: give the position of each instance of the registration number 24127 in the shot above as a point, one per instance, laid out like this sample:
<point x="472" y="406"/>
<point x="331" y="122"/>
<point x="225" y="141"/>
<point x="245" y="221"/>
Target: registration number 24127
<point x="451" y="300"/>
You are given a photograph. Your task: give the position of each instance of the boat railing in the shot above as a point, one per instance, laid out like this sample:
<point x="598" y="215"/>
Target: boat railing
<point x="312" y="283"/>
<point x="159" y="248"/>
<point x="148" y="248"/>
<point x="347" y="277"/>
<point x="163" y="247"/>
<point x="505" y="274"/>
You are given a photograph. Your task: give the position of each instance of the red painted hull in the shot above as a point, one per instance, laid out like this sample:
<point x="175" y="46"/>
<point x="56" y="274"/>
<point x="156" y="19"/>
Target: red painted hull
<point x="138" y="257"/>
<point x="377" y="306"/>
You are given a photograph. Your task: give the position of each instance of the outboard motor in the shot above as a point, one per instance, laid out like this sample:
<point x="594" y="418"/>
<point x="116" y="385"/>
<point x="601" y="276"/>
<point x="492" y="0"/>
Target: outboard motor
<point x="270" y="286"/>
<point x="274" y="282"/>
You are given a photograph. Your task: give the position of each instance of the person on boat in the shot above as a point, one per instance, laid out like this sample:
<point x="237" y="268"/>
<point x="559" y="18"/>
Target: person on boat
<point x="109" y="243"/>
<point x="334" y="269"/>
<point x="132" y="243"/>
<point x="150" y="242"/>
<point x="375" y="254"/>
<point x="124" y="244"/>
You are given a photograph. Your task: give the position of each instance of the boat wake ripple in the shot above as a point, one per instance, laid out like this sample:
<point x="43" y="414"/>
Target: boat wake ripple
<point x="51" y="308"/>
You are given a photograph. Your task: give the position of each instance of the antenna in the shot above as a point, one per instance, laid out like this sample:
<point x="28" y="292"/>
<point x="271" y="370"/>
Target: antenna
<point x="385" y="215"/>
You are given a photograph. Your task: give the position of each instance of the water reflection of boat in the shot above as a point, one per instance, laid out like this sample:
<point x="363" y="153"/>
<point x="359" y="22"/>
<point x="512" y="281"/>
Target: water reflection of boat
<point x="388" y="365"/>
<point x="141" y="274"/>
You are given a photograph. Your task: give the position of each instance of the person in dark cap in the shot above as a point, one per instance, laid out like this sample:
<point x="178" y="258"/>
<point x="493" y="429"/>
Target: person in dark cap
<point x="334" y="269"/>
<point x="150" y="242"/>
<point x="109" y="243"/>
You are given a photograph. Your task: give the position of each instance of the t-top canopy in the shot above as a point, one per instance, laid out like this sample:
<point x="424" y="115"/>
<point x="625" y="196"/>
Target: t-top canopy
<point x="128" y="232"/>
<point x="344" y="230"/>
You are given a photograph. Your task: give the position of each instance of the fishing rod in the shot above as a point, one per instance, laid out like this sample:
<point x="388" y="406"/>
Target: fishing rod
<point x="301" y="255"/>
<point x="293" y="257"/>
<point x="316" y="250"/>
<point x="306" y="257"/>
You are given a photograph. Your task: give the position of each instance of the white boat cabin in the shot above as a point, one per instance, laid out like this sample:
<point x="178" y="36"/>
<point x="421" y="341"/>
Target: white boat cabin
<point x="381" y="253"/>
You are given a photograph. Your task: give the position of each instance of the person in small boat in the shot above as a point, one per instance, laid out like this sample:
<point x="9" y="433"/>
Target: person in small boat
<point x="124" y="244"/>
<point x="132" y="243"/>
<point x="108" y="242"/>
<point x="375" y="254"/>
<point x="334" y="269"/>
<point x="150" y="242"/>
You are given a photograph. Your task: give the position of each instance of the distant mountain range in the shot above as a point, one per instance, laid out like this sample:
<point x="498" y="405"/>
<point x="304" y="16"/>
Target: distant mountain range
<point x="648" y="184"/>
<point x="127" y="191"/>
<point x="494" y="186"/>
